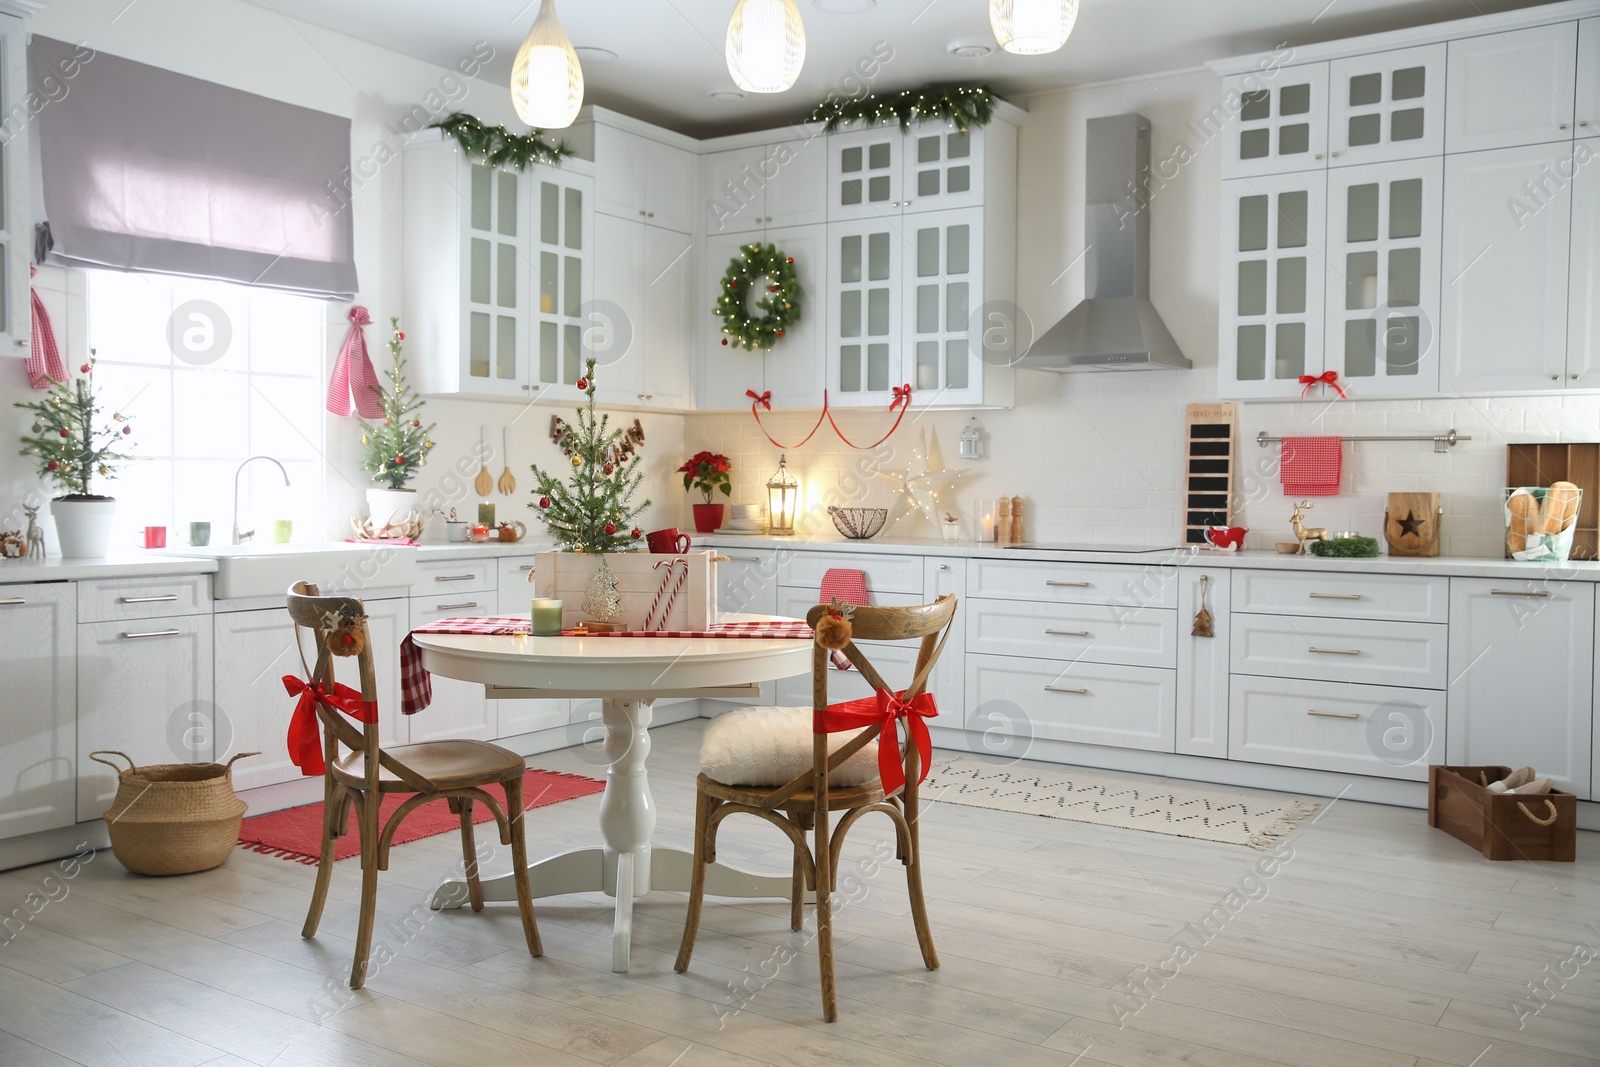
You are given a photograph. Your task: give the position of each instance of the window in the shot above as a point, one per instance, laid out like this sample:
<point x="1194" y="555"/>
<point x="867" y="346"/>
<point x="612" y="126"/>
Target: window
<point x="211" y="373"/>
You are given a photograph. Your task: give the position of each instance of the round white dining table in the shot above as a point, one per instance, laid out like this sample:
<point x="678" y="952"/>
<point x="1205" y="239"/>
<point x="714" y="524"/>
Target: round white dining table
<point x="627" y="673"/>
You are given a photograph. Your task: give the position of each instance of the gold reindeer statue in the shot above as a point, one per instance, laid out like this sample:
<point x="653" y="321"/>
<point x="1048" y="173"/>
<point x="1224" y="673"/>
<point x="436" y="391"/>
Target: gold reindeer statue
<point x="1305" y="533"/>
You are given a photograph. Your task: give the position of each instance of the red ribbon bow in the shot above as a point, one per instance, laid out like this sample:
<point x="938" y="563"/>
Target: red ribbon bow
<point x="883" y="707"/>
<point x="764" y="399"/>
<point x="305" y="740"/>
<point x="1327" y="377"/>
<point x="902" y="395"/>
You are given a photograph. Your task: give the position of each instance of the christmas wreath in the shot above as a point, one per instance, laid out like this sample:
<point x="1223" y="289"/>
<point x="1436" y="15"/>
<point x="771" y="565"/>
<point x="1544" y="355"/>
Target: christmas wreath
<point x="776" y="308"/>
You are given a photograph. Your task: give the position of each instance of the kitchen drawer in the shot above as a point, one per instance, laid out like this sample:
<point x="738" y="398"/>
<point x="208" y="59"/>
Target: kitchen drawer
<point x="1090" y="703"/>
<point x="426" y="609"/>
<point x="514" y="585"/>
<point x="456" y="576"/>
<point x="1397" y="597"/>
<point x="1098" y="633"/>
<point x="1343" y="650"/>
<point x="1129" y="588"/>
<point x="794" y="603"/>
<point x="896" y="661"/>
<point x="1332" y="726"/>
<point x="885" y="574"/>
<point x="115" y="599"/>
<point x="748" y="581"/>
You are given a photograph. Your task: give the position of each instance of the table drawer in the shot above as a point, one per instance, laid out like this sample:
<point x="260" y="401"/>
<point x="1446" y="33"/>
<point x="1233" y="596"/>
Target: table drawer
<point x="1344" y="650"/>
<point x="426" y="609"/>
<point x="1396" y="597"/>
<point x="1099" y="633"/>
<point x="885" y="574"/>
<point x="1090" y="703"/>
<point x="513" y="583"/>
<point x="1131" y="588"/>
<point x="456" y="576"/>
<point x="115" y="599"/>
<point x="1332" y="726"/>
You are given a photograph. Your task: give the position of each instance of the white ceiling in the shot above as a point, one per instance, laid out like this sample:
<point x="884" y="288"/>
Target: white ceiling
<point x="669" y="52"/>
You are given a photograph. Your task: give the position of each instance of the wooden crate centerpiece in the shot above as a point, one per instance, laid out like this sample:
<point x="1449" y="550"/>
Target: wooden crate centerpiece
<point x="640" y="578"/>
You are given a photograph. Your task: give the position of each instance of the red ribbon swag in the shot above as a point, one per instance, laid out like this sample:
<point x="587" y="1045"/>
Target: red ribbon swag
<point x="305" y="740"/>
<point x="901" y="401"/>
<point x="883" y="707"/>
<point x="1327" y="377"/>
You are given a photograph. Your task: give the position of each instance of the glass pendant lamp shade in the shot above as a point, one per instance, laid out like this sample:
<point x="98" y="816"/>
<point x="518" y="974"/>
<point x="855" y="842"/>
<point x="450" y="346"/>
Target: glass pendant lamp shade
<point x="546" y="80"/>
<point x="766" y="45"/>
<point x="1032" y="27"/>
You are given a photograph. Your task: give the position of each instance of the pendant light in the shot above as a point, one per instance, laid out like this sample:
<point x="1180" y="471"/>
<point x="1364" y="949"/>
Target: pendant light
<point x="766" y="45"/>
<point x="546" y="80"/>
<point x="1032" y="27"/>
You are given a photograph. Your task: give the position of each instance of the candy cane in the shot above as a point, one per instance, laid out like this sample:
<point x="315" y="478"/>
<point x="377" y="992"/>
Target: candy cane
<point x="683" y="576"/>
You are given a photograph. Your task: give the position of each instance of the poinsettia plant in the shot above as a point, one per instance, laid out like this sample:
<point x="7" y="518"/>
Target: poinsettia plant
<point x="708" y="472"/>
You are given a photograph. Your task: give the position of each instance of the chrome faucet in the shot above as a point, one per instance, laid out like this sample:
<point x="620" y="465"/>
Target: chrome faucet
<point x="241" y="536"/>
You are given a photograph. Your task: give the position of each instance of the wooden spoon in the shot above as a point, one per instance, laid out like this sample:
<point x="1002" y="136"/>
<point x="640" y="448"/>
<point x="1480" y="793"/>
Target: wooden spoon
<point x="485" y="481"/>
<point x="508" y="484"/>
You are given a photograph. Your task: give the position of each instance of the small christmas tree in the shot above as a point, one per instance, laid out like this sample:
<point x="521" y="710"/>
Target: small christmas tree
<point x="394" y="450"/>
<point x="65" y="443"/>
<point x="590" y="511"/>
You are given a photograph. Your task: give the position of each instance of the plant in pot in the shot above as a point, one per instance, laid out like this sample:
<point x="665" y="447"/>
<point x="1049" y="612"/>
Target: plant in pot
<point x="707" y="472"/>
<point x="392" y="451"/>
<point x="72" y="445"/>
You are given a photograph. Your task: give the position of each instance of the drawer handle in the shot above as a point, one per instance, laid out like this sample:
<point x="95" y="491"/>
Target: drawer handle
<point x="744" y="559"/>
<point x="152" y="633"/>
<point x="1070" y="585"/>
<point x="1335" y="651"/>
<point x="1540" y="594"/>
<point x="455" y="607"/>
<point x="12" y="602"/>
<point x="1334" y="596"/>
<point x="1074" y="692"/>
<point x="525" y="568"/>
<point x="455" y="577"/>
<point x="168" y="599"/>
<point x="944" y="566"/>
<point x="1069" y="633"/>
<point x="1334" y="714"/>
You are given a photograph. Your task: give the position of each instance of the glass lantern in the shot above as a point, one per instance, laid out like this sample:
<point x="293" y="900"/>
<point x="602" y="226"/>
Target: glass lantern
<point x="783" y="499"/>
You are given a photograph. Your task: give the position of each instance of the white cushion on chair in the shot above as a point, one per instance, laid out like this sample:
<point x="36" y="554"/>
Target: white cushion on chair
<point x="770" y="746"/>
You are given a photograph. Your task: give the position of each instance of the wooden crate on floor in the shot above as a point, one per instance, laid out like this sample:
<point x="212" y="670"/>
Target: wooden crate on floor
<point x="1502" y="826"/>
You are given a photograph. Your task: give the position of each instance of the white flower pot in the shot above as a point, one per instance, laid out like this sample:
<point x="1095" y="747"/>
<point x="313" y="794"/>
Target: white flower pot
<point x="83" y="526"/>
<point x="391" y="507"/>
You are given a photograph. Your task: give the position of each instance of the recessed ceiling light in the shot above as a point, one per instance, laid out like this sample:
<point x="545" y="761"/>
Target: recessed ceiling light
<point x="970" y="49"/>
<point x="844" y="7"/>
<point x="591" y="54"/>
<point x="726" y="96"/>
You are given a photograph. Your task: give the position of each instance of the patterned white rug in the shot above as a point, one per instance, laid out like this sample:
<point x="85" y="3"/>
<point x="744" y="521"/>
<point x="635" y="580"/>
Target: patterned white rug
<point x="1135" y="804"/>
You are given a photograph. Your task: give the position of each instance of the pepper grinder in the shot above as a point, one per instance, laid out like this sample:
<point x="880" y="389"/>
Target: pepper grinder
<point x="1002" y="521"/>
<point x="1016" y="520"/>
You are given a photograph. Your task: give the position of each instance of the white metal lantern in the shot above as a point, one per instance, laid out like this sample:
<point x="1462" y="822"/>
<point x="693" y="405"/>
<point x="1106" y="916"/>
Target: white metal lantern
<point x="972" y="440"/>
<point x="546" y="79"/>
<point x="1032" y="27"/>
<point x="766" y="45"/>
<point x="783" y="499"/>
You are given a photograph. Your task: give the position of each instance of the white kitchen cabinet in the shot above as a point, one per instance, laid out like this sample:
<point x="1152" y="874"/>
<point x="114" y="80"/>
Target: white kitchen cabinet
<point x="16" y="213"/>
<point x="459" y="709"/>
<point x="1382" y="290"/>
<point x="895" y="660"/>
<point x="1271" y="304"/>
<point x="881" y="171"/>
<point x="643" y="179"/>
<point x="1511" y="88"/>
<point x="1583" y="275"/>
<point x="513" y="597"/>
<point x="866" y="173"/>
<point x="1100" y="633"/>
<point x="1089" y="703"/>
<point x="639" y="321"/>
<point x="1586" y="108"/>
<point x="748" y="582"/>
<point x="144" y="688"/>
<point x="1505" y="312"/>
<point x="38" y="753"/>
<point x="945" y="285"/>
<point x="1386" y="106"/>
<point x="1347" y="650"/>
<point x="865" y="329"/>
<point x="562" y="252"/>
<point x="1382" y="731"/>
<point x="1522" y="691"/>
<point x="944" y="168"/>
<point x="1280" y="122"/>
<point x="766" y="187"/>
<point x="736" y="190"/>
<point x="1201" y="727"/>
<point x="948" y="577"/>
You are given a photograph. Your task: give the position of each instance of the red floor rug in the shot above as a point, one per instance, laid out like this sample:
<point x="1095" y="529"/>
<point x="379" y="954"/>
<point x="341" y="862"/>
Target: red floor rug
<point x="296" y="833"/>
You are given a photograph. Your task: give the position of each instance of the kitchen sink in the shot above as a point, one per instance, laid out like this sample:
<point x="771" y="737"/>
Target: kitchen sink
<point x="258" y="570"/>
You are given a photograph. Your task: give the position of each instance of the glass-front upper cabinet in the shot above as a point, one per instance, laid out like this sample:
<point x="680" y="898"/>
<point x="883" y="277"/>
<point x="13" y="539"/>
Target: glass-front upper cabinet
<point x="865" y="173"/>
<point x="562" y="251"/>
<point x="864" y="323"/>
<point x="1384" y="237"/>
<point x="1272" y="283"/>
<point x="495" y="301"/>
<point x="943" y="168"/>
<point x="1281" y="123"/>
<point x="1386" y="106"/>
<point x="946" y="278"/>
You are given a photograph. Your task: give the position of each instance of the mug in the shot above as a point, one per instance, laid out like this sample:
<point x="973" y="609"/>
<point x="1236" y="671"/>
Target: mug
<point x="199" y="534"/>
<point x="668" y="541"/>
<point x="155" y="537"/>
<point x="457" y="531"/>
<point x="282" y="530"/>
<point x="512" y="531"/>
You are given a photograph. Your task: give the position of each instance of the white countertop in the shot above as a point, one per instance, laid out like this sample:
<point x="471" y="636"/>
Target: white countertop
<point x="134" y="564"/>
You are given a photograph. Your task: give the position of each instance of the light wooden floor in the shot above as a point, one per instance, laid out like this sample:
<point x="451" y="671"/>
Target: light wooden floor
<point x="1379" y="942"/>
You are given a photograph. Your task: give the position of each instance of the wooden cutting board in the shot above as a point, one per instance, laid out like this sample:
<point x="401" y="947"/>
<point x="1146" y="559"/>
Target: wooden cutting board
<point x="1411" y="525"/>
<point x="1575" y="462"/>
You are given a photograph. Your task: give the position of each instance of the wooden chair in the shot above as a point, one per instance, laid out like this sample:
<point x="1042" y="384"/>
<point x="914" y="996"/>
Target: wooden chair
<point x="455" y="771"/>
<point x="824" y="773"/>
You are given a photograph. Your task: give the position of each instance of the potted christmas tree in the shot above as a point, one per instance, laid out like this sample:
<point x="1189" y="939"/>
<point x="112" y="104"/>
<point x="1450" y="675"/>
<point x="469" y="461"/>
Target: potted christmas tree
<point x="71" y="450"/>
<point x="393" y="451"/>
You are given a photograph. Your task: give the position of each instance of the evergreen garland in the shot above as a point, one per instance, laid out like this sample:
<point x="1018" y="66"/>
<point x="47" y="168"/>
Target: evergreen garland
<point x="779" y="305"/>
<point x="590" y="510"/>
<point x="967" y="107"/>
<point x="499" y="147"/>
<point x="64" y="442"/>
<point x="392" y="452"/>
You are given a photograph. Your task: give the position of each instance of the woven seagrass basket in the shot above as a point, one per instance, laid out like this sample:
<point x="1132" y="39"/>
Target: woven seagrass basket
<point x="173" y="818"/>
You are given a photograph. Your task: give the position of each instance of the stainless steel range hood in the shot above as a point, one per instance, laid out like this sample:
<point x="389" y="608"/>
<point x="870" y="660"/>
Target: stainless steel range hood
<point x="1115" y="327"/>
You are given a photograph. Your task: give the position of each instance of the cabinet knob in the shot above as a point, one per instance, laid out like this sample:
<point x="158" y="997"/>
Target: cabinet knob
<point x="944" y="566"/>
<point x="1555" y="377"/>
<point x="1563" y="126"/>
<point x="1574" y="377"/>
<point x="651" y="215"/>
<point x="1336" y="155"/>
<point x="641" y="213"/>
<point x="1317" y="156"/>
<point x="22" y="342"/>
<point x="1583" y="122"/>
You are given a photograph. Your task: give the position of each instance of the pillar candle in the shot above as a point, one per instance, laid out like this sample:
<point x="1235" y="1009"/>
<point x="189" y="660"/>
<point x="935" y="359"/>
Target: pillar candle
<point x="546" y="618"/>
<point x="486" y="515"/>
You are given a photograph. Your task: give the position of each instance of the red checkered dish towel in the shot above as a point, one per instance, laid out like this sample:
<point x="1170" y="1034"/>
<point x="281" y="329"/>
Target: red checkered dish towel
<point x="416" y="684"/>
<point x="1311" y="466"/>
<point x="847" y="586"/>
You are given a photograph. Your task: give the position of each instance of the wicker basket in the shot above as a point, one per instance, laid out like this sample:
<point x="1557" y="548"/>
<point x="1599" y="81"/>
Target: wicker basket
<point x="173" y="818"/>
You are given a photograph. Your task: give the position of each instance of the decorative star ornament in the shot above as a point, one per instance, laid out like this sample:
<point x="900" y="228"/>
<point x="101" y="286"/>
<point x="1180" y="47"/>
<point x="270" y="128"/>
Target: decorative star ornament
<point x="926" y="488"/>
<point x="1411" y="524"/>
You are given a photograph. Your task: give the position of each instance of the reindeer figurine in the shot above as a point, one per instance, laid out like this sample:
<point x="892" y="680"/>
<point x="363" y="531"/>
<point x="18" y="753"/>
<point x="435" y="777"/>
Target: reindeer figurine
<point x="35" y="536"/>
<point x="1305" y="533"/>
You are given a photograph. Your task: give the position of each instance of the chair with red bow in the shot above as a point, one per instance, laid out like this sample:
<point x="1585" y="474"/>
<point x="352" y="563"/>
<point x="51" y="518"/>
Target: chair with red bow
<point x="453" y="771"/>
<point x="794" y="766"/>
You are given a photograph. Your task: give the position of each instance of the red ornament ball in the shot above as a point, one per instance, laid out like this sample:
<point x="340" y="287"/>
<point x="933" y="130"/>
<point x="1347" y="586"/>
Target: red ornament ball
<point x="65" y="432"/>
<point x="52" y="466"/>
<point x="416" y="422"/>
<point x="126" y="430"/>
<point x="400" y="336"/>
<point x="544" y="502"/>
<point x="611" y="528"/>
<point x="789" y="260"/>
<point x="84" y="368"/>
<point x="608" y="469"/>
<point x="399" y="461"/>
<point x="636" y="533"/>
<point x="724" y="341"/>
<point x="772" y="288"/>
<point x="583" y="384"/>
<point x="780" y="333"/>
<point x="386" y="422"/>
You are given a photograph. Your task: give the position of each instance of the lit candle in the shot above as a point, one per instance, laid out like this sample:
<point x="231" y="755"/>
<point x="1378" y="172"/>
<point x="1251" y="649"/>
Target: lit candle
<point x="546" y="618"/>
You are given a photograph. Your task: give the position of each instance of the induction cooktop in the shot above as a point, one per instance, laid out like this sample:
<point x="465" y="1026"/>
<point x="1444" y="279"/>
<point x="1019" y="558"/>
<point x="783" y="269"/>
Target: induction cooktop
<point x="1126" y="549"/>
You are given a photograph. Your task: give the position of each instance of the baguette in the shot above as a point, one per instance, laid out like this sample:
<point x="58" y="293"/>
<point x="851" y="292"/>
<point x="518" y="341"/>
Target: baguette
<point x="1560" y="508"/>
<point x="1524" y="511"/>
